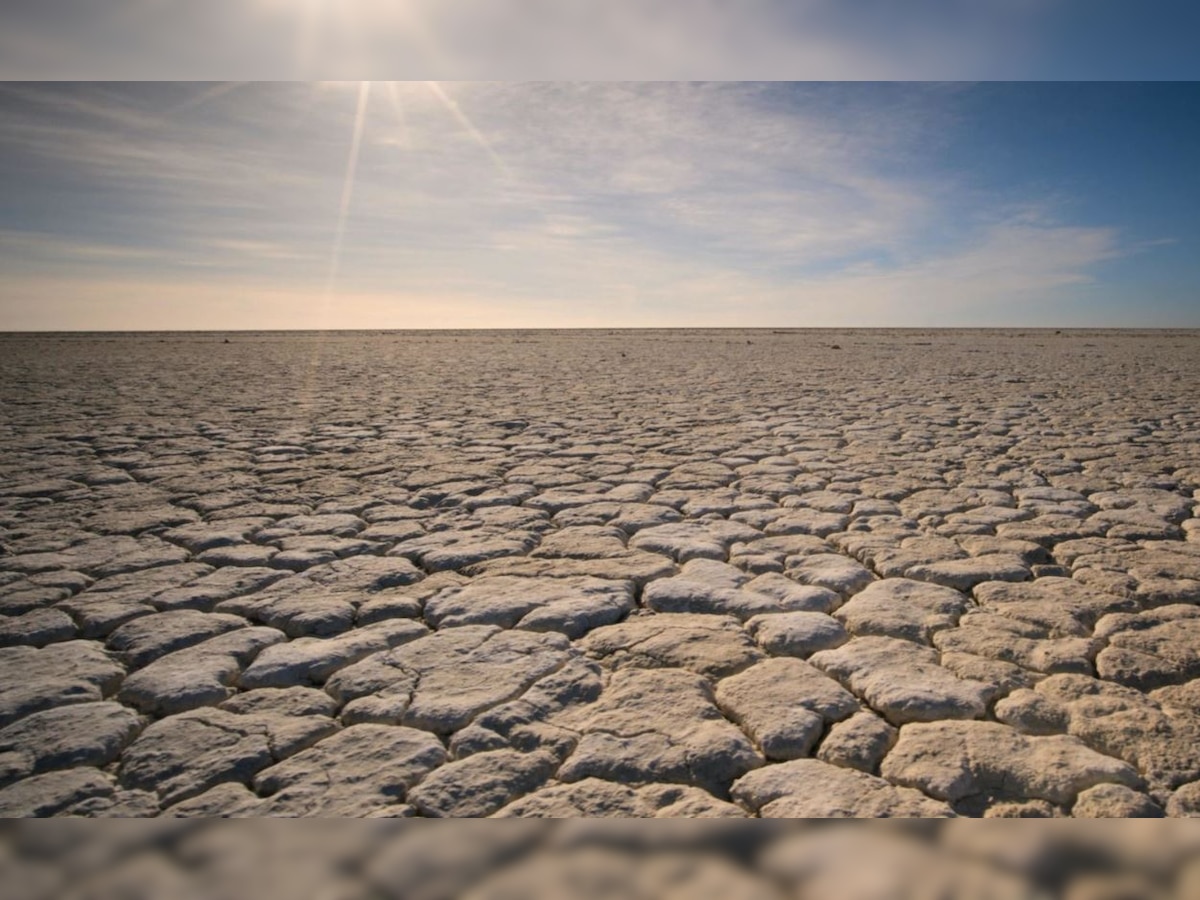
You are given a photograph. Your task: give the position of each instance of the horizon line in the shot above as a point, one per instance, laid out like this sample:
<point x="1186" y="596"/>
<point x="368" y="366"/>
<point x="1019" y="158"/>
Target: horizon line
<point x="777" y="329"/>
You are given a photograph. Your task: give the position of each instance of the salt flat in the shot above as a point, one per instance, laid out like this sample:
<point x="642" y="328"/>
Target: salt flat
<point x="775" y="573"/>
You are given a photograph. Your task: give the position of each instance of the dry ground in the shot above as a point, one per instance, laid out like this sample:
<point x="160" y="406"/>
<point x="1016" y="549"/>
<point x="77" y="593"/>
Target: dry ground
<point x="646" y="574"/>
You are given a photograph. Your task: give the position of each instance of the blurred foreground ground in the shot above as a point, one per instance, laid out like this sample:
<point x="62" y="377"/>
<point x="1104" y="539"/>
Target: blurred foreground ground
<point x="529" y="859"/>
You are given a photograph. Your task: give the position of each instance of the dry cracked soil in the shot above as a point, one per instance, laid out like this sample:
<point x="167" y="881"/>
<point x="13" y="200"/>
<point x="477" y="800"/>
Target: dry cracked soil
<point x="651" y="574"/>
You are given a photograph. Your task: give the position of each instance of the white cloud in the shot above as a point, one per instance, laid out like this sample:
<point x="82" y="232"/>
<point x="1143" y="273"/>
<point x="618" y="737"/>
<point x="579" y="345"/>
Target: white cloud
<point x="729" y="170"/>
<point x="1010" y="274"/>
<point x="531" y="204"/>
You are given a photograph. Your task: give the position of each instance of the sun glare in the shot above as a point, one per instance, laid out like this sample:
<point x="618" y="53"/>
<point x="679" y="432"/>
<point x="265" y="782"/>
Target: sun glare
<point x="360" y="115"/>
<point x="342" y="35"/>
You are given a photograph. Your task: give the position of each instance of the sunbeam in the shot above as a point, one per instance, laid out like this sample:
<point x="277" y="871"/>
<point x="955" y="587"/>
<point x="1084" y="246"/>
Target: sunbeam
<point x="335" y="256"/>
<point x="335" y="253"/>
<point x="461" y="117"/>
<point x="217" y="90"/>
<point x="305" y="50"/>
<point x="394" y="97"/>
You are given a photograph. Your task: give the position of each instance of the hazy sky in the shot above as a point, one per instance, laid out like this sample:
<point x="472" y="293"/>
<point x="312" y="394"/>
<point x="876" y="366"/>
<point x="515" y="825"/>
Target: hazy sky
<point x="823" y="40"/>
<point x="414" y="205"/>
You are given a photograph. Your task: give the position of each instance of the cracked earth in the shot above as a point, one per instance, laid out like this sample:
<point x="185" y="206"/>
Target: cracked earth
<point x="643" y="574"/>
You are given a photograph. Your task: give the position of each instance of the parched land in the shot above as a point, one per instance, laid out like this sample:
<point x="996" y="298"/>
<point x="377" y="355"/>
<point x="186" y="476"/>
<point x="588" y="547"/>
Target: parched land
<point x="773" y="574"/>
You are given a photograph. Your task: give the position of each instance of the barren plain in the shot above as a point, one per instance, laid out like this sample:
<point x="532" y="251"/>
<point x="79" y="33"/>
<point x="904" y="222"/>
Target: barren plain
<point x="652" y="574"/>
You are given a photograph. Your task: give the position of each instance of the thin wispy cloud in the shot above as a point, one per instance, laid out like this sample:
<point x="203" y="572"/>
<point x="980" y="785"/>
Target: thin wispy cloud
<point x="417" y="205"/>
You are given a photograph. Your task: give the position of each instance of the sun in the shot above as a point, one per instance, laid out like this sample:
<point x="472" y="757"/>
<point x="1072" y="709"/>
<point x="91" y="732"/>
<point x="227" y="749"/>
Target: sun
<point x="345" y="36"/>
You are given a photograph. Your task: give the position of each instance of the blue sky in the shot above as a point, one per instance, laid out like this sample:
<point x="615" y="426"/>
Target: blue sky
<point x="410" y="205"/>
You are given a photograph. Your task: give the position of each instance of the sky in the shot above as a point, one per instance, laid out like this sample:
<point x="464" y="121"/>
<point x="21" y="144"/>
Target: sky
<point x="151" y="206"/>
<point x="589" y="40"/>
